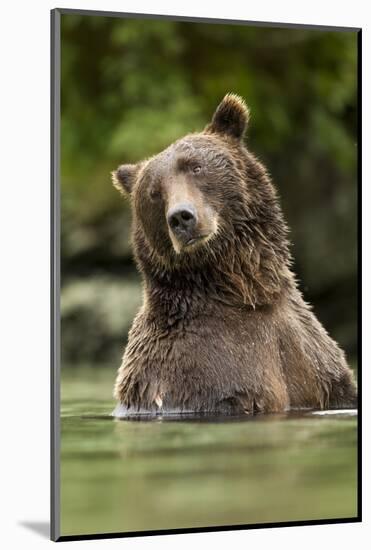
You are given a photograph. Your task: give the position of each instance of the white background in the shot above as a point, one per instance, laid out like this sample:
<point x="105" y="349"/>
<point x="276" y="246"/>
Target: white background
<point x="24" y="267"/>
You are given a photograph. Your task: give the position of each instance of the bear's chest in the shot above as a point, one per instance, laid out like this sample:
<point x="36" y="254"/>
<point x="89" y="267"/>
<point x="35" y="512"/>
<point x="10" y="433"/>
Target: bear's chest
<point x="199" y="365"/>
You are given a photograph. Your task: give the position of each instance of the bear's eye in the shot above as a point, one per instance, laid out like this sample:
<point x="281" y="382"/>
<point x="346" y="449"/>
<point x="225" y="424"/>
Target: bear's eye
<point x="196" y="169"/>
<point x="154" y="194"/>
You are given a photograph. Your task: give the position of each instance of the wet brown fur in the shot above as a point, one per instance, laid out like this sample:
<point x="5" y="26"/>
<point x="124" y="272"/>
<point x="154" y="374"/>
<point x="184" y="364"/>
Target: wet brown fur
<point x="223" y="326"/>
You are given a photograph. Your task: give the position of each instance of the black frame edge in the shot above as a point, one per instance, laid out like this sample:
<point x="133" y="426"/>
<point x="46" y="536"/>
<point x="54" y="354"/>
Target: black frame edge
<point x="359" y="270"/>
<point x="55" y="48"/>
<point x="210" y="529"/>
<point x="186" y="18"/>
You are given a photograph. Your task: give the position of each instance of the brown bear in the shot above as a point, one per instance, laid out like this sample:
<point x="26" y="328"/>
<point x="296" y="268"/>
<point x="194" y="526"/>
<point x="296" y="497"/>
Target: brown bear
<point x="223" y="327"/>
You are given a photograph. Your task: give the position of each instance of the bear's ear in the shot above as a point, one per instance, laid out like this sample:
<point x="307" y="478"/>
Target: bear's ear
<point x="124" y="177"/>
<point x="230" y="118"/>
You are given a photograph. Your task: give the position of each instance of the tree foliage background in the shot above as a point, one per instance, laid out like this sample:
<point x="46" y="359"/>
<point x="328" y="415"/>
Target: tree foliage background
<point x="129" y="87"/>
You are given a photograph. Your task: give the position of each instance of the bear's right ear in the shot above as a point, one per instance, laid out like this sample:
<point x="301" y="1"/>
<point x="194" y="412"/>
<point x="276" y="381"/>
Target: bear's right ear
<point x="124" y="177"/>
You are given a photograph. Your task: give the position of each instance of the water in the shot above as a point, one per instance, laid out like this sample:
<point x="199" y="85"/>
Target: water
<point x="127" y="475"/>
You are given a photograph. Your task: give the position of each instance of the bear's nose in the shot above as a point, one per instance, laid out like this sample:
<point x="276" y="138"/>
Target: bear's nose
<point x="182" y="219"/>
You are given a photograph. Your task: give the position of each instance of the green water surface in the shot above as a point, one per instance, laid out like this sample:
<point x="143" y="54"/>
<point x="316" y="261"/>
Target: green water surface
<point x="120" y="475"/>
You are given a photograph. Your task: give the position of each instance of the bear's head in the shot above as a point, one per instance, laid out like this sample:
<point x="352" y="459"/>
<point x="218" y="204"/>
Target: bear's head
<point x="205" y="202"/>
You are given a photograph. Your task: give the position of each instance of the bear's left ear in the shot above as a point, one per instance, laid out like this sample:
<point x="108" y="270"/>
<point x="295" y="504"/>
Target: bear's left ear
<point x="124" y="177"/>
<point x="230" y="118"/>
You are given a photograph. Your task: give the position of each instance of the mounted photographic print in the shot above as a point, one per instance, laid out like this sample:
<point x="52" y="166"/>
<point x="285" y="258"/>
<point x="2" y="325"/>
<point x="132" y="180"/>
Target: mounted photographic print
<point x="205" y="192"/>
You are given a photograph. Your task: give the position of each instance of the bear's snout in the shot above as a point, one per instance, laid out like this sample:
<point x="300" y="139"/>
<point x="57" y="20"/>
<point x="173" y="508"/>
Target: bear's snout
<point x="182" y="220"/>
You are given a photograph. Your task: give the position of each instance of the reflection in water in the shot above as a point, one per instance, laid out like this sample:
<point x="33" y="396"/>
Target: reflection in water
<point x="167" y="473"/>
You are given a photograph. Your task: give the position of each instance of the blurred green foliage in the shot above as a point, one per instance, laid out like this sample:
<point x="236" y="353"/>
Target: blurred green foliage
<point x="132" y="86"/>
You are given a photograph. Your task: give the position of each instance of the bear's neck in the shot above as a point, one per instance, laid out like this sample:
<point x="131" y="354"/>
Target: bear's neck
<point x="253" y="280"/>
